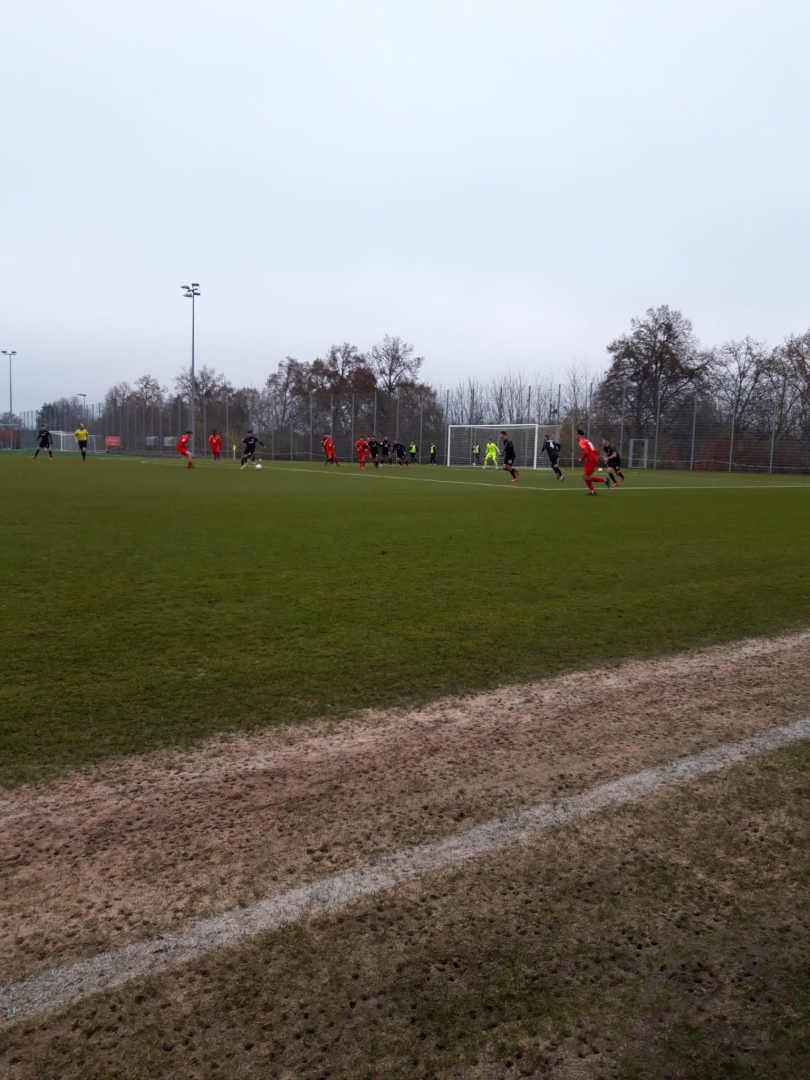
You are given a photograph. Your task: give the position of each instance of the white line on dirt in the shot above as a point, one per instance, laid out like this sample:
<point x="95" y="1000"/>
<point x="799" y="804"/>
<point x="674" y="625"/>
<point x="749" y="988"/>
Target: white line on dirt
<point x="61" y="987"/>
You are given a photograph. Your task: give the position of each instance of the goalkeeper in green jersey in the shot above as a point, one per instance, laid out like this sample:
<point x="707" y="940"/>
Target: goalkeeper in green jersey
<point x="491" y="454"/>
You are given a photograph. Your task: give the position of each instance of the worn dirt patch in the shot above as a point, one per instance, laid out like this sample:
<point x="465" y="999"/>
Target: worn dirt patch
<point x="669" y="939"/>
<point x="125" y="851"/>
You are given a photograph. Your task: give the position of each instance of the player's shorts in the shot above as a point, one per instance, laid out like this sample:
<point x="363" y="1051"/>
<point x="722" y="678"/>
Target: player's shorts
<point x="82" y="444"/>
<point x="361" y="455"/>
<point x="509" y="462"/>
<point x="615" y="463"/>
<point x="589" y="466"/>
<point x="183" y="453"/>
<point x="373" y="455"/>
<point x="553" y="459"/>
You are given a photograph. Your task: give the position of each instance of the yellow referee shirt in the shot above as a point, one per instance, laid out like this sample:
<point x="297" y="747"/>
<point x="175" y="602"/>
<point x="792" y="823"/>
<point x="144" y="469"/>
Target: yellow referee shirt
<point x="81" y="434"/>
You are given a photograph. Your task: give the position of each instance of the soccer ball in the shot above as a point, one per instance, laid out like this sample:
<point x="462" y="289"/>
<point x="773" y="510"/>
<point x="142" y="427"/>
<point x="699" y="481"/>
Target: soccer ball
<point x="598" y="470"/>
<point x="258" y="465"/>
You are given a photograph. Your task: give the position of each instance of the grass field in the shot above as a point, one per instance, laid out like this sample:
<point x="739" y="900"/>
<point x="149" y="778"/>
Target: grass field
<point x="146" y="605"/>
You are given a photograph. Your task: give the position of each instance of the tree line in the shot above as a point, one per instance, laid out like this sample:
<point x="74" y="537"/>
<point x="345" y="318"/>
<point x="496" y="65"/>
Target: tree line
<point x="656" y="372"/>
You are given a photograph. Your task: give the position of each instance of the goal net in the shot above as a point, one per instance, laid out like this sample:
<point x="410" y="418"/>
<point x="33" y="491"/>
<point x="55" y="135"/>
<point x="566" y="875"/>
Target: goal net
<point x="65" y="440"/>
<point x="637" y="455"/>
<point x="463" y="438"/>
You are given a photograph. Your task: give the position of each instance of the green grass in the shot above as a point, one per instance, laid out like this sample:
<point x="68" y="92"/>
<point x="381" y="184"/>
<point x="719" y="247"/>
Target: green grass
<point x="144" y="605"/>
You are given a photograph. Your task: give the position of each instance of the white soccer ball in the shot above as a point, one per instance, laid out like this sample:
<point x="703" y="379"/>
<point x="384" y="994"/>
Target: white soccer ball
<point x="258" y="465"/>
<point x="598" y="470"/>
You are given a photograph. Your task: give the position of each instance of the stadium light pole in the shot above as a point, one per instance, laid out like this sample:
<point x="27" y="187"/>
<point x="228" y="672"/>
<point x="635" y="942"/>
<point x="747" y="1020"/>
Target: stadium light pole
<point x="84" y="404"/>
<point x="9" y="353"/>
<point x="191" y="292"/>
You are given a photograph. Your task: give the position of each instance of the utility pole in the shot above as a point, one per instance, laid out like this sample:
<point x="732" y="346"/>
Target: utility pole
<point x="191" y="292"/>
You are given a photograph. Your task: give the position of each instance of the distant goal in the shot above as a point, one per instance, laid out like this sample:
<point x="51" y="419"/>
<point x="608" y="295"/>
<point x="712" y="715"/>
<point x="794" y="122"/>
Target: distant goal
<point x="65" y="441"/>
<point x="463" y="438"/>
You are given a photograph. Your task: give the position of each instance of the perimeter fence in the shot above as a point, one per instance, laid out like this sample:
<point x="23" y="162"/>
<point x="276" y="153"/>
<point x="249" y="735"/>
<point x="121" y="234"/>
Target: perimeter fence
<point x="690" y="434"/>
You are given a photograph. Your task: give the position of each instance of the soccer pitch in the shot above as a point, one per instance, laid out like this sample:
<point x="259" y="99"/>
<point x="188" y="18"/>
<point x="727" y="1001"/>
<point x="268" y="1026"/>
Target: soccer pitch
<point x="146" y="605"/>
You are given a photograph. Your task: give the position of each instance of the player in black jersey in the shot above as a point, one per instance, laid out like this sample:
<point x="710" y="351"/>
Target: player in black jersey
<point x="509" y="456"/>
<point x="612" y="461"/>
<point x="44" y="441"/>
<point x="385" y="451"/>
<point x="374" y="450"/>
<point x="251" y="441"/>
<point x="399" y="450"/>
<point x="552" y="448"/>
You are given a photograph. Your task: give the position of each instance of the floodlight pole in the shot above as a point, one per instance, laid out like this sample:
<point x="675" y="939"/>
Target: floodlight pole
<point x="191" y="292"/>
<point x="84" y="404"/>
<point x="9" y="353"/>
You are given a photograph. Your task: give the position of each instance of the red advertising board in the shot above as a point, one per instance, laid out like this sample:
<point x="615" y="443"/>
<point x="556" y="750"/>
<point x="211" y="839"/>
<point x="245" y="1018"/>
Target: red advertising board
<point x="113" y="440"/>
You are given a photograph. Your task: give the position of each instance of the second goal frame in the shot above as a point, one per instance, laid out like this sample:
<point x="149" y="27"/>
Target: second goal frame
<point x="463" y="438"/>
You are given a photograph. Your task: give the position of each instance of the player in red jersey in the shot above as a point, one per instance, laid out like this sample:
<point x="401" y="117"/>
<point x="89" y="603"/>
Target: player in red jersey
<point x="182" y="448"/>
<point x="361" y="446"/>
<point x="590" y="456"/>
<point x="215" y="444"/>
<point x="329" y="450"/>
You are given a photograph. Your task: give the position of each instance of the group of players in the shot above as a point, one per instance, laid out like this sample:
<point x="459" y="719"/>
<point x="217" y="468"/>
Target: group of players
<point x="381" y="451"/>
<point x="378" y="451"/>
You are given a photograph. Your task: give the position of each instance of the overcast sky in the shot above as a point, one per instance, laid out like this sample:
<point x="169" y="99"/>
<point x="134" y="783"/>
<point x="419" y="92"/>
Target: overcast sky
<point x="500" y="182"/>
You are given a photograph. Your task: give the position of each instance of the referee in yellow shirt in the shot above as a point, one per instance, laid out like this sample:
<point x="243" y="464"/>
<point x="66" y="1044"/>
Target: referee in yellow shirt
<point x="81" y="435"/>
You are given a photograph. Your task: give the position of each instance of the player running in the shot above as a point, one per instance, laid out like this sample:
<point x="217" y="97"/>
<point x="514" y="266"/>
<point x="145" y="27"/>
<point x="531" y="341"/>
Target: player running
<point x="509" y="456"/>
<point x="215" y="444"/>
<point x="44" y="442"/>
<point x="552" y="448"/>
<point x="491" y="454"/>
<point x="251" y="441"/>
<point x="329" y="449"/>
<point x="361" y="449"/>
<point x="612" y="461"/>
<point x="399" y="450"/>
<point x="183" y="450"/>
<point x="81" y="435"/>
<point x="385" y="451"/>
<point x="374" y="450"/>
<point x="590" y="456"/>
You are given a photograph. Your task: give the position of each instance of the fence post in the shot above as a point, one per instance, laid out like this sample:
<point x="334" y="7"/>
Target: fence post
<point x="621" y="429"/>
<point x="332" y="415"/>
<point x="310" y="425"/>
<point x="351" y="447"/>
<point x="291" y="431"/>
<point x="733" y="422"/>
<point x="374" y="432"/>
<point x="694" y="429"/>
<point x="657" y="421"/>
<point x="447" y="424"/>
<point x="421" y="421"/>
<point x="588" y="404"/>
<point x="375" y="408"/>
<point x="572" y="440"/>
<point x="773" y="436"/>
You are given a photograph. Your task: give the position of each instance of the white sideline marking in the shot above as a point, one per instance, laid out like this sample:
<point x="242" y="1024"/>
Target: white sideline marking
<point x="64" y="986"/>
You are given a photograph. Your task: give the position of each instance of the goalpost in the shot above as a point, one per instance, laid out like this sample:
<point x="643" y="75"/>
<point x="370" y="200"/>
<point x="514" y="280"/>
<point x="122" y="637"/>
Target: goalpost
<point x="462" y="438"/>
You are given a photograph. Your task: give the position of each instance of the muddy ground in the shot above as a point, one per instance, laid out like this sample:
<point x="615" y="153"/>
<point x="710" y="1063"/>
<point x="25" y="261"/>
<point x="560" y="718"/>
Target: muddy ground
<point x="125" y="851"/>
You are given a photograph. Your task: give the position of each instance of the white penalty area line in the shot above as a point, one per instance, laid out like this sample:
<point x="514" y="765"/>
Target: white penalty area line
<point x="61" y="987"/>
<point x="555" y="489"/>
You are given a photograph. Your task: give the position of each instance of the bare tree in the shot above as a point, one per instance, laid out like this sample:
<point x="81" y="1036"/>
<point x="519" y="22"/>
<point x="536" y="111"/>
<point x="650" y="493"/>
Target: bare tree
<point x="654" y="365"/>
<point x="394" y="364"/>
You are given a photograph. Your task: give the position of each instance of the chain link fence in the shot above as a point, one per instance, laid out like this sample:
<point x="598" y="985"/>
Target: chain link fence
<point x="692" y="433"/>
